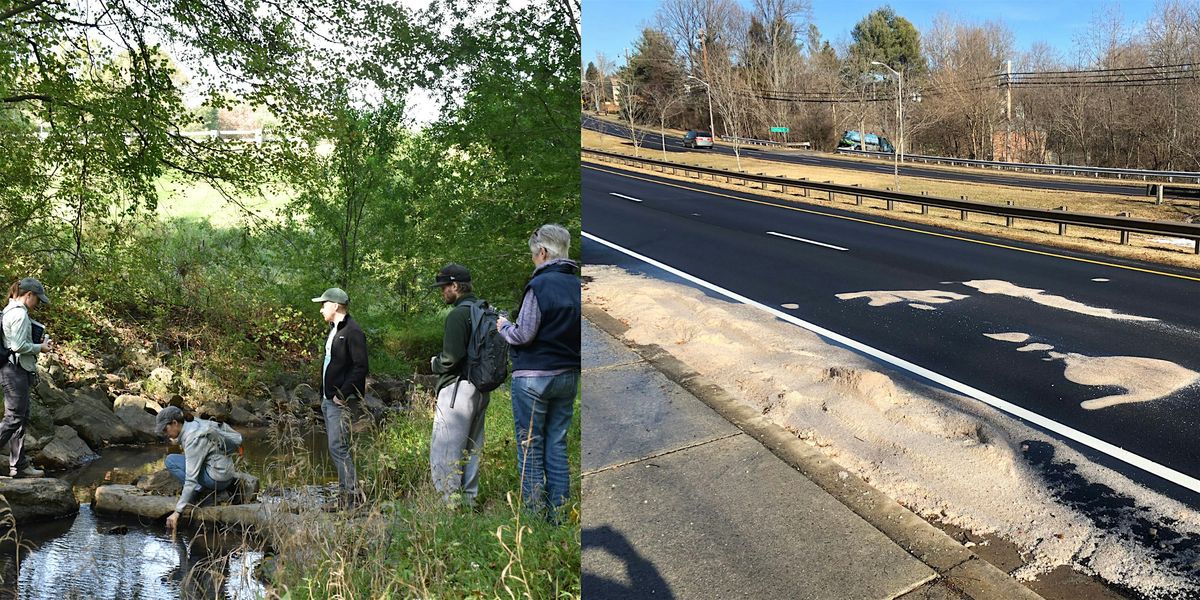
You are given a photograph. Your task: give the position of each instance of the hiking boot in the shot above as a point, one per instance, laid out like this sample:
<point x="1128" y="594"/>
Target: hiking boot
<point x="27" y="472"/>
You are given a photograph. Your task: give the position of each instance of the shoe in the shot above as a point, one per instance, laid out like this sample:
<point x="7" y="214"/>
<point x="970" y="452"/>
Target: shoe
<point x="27" y="472"/>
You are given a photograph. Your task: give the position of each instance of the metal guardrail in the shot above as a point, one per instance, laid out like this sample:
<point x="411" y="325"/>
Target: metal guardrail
<point x="1125" y="225"/>
<point x="1159" y="190"/>
<point x="1170" y="176"/>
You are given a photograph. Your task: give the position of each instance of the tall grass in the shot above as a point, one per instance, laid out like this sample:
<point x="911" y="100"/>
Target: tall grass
<point x="406" y="543"/>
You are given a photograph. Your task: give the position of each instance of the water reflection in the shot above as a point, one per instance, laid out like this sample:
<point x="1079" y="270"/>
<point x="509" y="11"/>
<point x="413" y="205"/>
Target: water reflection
<point x="112" y="560"/>
<point x="97" y="557"/>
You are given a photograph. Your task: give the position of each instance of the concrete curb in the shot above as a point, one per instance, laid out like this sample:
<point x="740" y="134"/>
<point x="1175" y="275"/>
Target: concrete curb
<point x="957" y="567"/>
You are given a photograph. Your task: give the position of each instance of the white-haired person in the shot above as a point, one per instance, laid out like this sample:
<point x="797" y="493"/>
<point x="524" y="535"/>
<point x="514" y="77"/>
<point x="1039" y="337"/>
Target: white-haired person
<point x="544" y="344"/>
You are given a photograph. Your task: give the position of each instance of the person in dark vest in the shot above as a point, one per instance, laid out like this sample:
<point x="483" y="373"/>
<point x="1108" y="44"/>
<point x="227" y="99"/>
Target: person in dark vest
<point x="343" y="381"/>
<point x="545" y="361"/>
<point x="19" y="373"/>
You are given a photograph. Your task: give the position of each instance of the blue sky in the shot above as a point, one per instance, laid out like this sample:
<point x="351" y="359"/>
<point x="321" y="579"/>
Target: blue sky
<point x="610" y="26"/>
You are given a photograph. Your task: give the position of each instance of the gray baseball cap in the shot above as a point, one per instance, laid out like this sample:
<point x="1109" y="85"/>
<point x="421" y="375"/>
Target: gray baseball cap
<point x="167" y="415"/>
<point x="30" y="284"/>
<point x="334" y="295"/>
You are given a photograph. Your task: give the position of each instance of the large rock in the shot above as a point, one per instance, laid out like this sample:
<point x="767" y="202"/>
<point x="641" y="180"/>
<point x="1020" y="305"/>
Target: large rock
<point x="66" y="450"/>
<point x="279" y="397"/>
<point x="397" y="394"/>
<point x="241" y="416"/>
<point x="137" y="413"/>
<point x="159" y="483"/>
<point x="33" y="500"/>
<point x="163" y="376"/>
<point x="51" y="396"/>
<point x="305" y="395"/>
<point x="95" y="421"/>
<point x="213" y="410"/>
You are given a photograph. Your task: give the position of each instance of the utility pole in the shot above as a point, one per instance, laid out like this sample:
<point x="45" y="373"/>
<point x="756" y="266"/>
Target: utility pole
<point x="708" y="80"/>
<point x="1007" y="108"/>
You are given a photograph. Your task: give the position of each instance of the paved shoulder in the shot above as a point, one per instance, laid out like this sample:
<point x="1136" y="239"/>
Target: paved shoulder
<point x="679" y="503"/>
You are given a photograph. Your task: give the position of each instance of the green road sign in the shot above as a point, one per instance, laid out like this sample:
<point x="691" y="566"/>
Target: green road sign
<point x="779" y="130"/>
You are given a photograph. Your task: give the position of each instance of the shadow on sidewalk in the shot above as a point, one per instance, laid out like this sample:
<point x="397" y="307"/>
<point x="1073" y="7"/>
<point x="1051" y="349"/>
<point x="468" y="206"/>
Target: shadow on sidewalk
<point x="643" y="577"/>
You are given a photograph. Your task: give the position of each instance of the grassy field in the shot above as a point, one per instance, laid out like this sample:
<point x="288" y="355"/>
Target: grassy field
<point x="407" y="544"/>
<point x="199" y="200"/>
<point x="1141" y="247"/>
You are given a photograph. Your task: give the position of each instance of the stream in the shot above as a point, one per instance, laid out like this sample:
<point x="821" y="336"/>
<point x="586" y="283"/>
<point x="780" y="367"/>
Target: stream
<point x="101" y="557"/>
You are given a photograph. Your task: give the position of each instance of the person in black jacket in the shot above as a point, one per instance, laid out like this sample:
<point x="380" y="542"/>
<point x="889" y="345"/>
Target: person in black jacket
<point x="343" y="380"/>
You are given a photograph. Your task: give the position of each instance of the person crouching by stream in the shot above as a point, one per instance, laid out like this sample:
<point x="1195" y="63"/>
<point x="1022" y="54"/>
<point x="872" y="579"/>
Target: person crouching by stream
<point x="19" y="371"/>
<point x="204" y="465"/>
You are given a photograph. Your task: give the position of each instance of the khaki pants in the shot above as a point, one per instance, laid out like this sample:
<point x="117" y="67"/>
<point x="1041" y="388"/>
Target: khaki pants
<point x="457" y="440"/>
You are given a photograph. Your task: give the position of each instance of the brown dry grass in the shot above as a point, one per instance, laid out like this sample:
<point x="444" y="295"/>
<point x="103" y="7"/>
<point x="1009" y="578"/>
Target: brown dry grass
<point x="1141" y="247"/>
<point x="678" y="133"/>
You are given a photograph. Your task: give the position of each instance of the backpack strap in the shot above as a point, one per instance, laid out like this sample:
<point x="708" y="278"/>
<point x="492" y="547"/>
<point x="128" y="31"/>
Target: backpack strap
<point x="9" y="355"/>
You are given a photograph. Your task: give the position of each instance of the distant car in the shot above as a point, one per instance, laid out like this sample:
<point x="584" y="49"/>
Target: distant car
<point x="698" y="139"/>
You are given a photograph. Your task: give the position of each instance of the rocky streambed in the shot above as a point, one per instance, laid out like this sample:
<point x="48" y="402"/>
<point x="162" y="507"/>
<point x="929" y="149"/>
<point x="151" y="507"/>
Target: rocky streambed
<point x="94" y="527"/>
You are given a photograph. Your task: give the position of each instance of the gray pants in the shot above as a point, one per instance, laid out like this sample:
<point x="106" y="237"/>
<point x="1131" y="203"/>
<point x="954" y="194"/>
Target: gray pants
<point x="15" y="381"/>
<point x="337" y="428"/>
<point x="457" y="441"/>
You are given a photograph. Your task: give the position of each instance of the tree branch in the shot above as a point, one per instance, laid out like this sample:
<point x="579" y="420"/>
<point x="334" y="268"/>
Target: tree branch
<point x="22" y="8"/>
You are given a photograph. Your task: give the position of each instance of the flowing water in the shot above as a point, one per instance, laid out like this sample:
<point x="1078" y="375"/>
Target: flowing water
<point x="102" y="557"/>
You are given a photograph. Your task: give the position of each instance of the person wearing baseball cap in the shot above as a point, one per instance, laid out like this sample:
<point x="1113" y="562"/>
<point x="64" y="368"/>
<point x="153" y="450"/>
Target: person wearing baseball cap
<point x="458" y="416"/>
<point x="202" y="466"/>
<point x="343" y="380"/>
<point x="19" y="370"/>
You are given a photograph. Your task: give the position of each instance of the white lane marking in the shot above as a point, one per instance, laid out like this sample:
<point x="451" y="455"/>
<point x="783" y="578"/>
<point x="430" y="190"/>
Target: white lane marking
<point x="623" y="196"/>
<point x="800" y="239"/>
<point x="1067" y="431"/>
<point x="1100" y="279"/>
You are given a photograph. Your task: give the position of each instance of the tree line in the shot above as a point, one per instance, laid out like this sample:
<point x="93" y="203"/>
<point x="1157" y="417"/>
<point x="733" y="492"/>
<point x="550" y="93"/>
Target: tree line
<point x="1125" y="96"/>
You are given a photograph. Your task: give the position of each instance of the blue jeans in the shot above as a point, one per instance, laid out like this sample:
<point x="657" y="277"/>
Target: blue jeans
<point x="337" y="432"/>
<point x="177" y="465"/>
<point x="542" y="411"/>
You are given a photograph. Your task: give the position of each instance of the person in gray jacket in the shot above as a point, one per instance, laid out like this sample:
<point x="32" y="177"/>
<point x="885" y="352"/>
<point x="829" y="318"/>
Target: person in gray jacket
<point x="202" y="466"/>
<point x="19" y="372"/>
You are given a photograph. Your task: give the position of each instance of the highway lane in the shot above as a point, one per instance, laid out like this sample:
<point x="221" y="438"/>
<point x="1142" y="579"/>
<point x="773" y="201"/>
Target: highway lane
<point x="652" y="141"/>
<point x="758" y="248"/>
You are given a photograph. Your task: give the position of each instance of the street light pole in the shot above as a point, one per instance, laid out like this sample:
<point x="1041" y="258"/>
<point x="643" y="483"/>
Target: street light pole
<point x="708" y="89"/>
<point x="899" y="149"/>
<point x="595" y="93"/>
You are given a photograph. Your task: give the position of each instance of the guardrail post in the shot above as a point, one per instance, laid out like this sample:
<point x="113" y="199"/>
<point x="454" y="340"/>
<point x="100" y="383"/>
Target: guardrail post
<point x="962" y="214"/>
<point x="830" y="192"/>
<point x="1062" y="227"/>
<point x="889" y="201"/>
<point x="1124" y="234"/>
<point x="804" y="189"/>
<point x="1158" y="198"/>
<point x="1008" y="220"/>
<point x="1197" y="250"/>
<point x="764" y="184"/>
<point x="858" y="197"/>
<point x="924" y="207"/>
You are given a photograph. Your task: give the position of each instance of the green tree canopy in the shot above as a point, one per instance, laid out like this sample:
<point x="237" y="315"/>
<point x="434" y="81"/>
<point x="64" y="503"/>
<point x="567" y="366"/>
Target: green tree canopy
<point x="888" y="38"/>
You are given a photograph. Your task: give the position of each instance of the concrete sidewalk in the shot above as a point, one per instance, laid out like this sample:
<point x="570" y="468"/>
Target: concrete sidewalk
<point x="688" y="494"/>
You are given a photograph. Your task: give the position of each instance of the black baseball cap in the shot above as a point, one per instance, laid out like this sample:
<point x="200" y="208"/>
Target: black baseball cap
<point x="452" y="273"/>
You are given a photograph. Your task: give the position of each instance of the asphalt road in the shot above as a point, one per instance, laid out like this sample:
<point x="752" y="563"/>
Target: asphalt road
<point x="825" y="160"/>
<point x="720" y="237"/>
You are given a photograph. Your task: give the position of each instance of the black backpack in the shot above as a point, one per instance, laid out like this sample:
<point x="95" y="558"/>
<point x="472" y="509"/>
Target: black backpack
<point x="5" y="353"/>
<point x="487" y="352"/>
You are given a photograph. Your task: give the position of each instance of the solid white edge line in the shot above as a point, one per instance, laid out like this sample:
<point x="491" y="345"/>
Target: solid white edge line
<point x="800" y="239"/>
<point x="623" y="196"/>
<point x="1118" y="453"/>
